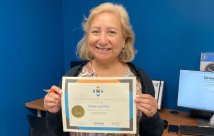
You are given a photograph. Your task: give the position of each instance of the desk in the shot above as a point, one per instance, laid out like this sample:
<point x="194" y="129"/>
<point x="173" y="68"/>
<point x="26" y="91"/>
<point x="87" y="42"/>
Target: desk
<point x="173" y="119"/>
<point x="182" y="118"/>
<point x="36" y="104"/>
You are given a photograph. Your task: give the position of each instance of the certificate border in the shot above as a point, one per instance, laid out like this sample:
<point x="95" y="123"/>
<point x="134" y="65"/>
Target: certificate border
<point x="132" y="114"/>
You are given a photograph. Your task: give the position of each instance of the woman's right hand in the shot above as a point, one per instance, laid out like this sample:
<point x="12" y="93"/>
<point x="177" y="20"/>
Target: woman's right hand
<point x="52" y="100"/>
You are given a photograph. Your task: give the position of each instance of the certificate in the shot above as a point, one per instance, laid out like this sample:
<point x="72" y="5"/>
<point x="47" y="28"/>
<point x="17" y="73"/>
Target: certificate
<point x="99" y="104"/>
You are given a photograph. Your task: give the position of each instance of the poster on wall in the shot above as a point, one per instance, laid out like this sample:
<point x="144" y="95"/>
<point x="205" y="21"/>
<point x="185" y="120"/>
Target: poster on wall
<point x="207" y="61"/>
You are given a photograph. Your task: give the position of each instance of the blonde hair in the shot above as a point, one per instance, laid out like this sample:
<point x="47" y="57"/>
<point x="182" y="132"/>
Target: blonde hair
<point x="128" y="53"/>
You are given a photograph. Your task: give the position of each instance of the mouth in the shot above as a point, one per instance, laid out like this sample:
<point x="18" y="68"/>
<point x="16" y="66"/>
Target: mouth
<point x="103" y="49"/>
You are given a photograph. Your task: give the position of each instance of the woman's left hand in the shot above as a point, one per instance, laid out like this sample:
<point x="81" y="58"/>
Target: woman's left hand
<point x="147" y="104"/>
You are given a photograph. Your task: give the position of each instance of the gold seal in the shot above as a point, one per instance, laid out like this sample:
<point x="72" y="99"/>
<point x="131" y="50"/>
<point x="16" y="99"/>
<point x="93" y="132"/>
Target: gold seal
<point x="77" y="111"/>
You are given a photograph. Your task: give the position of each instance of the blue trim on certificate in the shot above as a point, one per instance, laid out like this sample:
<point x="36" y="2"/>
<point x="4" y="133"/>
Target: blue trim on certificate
<point x="131" y="105"/>
<point x="100" y="128"/>
<point x="66" y="105"/>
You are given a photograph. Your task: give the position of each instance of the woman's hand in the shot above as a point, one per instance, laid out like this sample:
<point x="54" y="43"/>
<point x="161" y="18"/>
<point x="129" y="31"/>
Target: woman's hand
<point x="52" y="100"/>
<point x="146" y="104"/>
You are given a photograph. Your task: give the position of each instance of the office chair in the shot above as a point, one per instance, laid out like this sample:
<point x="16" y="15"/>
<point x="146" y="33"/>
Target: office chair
<point x="37" y="126"/>
<point x="158" y="86"/>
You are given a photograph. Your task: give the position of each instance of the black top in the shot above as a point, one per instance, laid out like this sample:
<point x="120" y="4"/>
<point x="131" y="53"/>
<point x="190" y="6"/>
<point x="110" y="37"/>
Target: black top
<point x="149" y="126"/>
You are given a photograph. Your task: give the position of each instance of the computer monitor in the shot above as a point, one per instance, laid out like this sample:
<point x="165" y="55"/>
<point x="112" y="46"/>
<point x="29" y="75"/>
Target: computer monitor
<point x="196" y="90"/>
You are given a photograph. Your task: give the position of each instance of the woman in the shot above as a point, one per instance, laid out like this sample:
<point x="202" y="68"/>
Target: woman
<point x="108" y="49"/>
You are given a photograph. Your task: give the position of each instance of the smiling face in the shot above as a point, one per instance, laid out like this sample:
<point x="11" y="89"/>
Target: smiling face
<point x="105" y="37"/>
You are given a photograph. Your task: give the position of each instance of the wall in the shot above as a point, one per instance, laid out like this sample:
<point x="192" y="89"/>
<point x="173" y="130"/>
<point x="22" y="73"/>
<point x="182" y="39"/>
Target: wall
<point x="170" y="35"/>
<point x="31" y="57"/>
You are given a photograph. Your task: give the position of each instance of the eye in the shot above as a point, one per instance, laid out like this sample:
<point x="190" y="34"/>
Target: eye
<point x="112" y="32"/>
<point x="95" y="32"/>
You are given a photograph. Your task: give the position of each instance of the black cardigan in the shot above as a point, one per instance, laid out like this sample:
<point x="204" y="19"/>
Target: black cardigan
<point x="152" y="126"/>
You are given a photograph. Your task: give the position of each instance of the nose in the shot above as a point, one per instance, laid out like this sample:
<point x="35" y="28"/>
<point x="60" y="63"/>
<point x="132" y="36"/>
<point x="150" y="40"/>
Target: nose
<point x="103" y="40"/>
